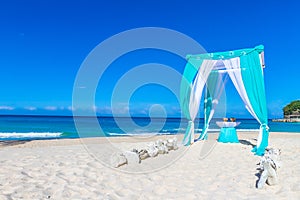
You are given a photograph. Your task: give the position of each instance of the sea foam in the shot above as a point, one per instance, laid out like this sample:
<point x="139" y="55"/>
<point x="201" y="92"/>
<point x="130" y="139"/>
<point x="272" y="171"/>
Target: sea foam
<point x="41" y="135"/>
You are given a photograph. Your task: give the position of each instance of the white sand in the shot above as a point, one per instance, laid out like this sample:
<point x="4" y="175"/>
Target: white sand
<point x="64" y="169"/>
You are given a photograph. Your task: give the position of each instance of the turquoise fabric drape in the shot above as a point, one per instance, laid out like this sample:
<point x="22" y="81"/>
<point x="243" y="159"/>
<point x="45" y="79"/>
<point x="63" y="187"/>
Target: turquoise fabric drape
<point x="187" y="140"/>
<point x="214" y="89"/>
<point x="253" y="80"/>
<point x="210" y="94"/>
<point x="189" y="75"/>
<point x="207" y="110"/>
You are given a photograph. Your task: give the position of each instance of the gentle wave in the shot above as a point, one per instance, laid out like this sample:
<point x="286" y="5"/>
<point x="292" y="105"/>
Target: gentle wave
<point x="29" y="135"/>
<point x="211" y="130"/>
<point x="239" y="130"/>
<point x="179" y="130"/>
<point x="247" y="130"/>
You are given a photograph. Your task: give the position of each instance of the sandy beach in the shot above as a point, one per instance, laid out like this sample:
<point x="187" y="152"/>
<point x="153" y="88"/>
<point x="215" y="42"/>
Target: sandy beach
<point x="79" y="169"/>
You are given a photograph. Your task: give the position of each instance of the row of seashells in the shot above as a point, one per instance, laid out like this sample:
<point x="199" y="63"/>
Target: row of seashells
<point x="152" y="149"/>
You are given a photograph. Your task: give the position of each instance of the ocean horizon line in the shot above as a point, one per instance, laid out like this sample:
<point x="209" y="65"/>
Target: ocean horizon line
<point x="110" y="116"/>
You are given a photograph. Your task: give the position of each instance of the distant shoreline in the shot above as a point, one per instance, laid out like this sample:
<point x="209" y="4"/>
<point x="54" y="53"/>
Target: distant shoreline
<point x="285" y="120"/>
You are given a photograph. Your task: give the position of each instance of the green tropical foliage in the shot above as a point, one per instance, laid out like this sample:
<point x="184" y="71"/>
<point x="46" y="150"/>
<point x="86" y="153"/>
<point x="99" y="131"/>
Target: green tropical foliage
<point x="292" y="108"/>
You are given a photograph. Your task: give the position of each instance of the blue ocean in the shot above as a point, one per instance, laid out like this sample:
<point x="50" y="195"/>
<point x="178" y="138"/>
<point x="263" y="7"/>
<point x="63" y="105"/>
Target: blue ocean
<point x="58" y="127"/>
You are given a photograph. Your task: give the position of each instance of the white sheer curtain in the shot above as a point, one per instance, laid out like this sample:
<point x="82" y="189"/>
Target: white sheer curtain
<point x="234" y="71"/>
<point x="214" y="88"/>
<point x="197" y="89"/>
<point x="218" y="89"/>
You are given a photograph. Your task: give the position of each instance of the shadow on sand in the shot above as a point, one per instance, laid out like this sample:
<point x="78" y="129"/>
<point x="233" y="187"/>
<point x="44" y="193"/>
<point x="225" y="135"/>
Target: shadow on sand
<point x="12" y="142"/>
<point x="246" y="142"/>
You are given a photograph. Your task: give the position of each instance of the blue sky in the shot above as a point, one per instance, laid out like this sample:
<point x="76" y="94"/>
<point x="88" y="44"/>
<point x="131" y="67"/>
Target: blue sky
<point x="43" y="43"/>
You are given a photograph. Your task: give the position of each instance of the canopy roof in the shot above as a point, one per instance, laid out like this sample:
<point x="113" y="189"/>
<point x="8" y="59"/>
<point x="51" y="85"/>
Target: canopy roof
<point x="226" y="54"/>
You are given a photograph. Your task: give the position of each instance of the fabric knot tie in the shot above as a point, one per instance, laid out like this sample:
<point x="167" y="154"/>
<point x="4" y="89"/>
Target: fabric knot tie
<point x="264" y="126"/>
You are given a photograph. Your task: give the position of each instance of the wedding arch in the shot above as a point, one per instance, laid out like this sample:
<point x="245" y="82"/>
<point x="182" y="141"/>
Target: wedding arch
<point x="245" y="69"/>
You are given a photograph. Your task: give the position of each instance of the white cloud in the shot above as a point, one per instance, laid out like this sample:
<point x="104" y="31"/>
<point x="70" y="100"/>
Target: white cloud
<point x="143" y="111"/>
<point x="6" y="108"/>
<point x="31" y="108"/>
<point x="71" y="108"/>
<point x="120" y="109"/>
<point x="104" y="110"/>
<point x="94" y="108"/>
<point x="52" y="108"/>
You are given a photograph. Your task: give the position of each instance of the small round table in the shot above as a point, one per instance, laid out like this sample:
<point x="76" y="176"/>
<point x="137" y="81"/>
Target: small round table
<point x="228" y="132"/>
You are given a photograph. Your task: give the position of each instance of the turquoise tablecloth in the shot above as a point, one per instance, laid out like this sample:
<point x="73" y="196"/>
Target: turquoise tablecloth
<point x="228" y="134"/>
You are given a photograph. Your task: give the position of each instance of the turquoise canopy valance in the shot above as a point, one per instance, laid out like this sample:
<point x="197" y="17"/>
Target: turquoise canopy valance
<point x="226" y="54"/>
<point x="245" y="68"/>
